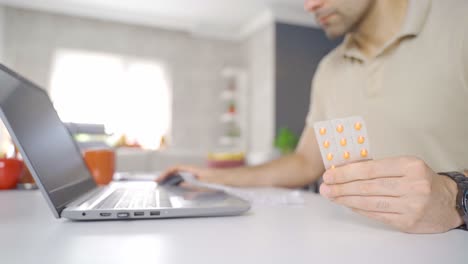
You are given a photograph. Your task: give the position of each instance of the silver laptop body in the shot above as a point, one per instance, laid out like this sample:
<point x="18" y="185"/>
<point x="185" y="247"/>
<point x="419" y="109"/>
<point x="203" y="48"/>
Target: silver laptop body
<point x="59" y="170"/>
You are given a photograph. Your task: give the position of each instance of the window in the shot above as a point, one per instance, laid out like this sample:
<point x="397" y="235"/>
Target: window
<point x="130" y="97"/>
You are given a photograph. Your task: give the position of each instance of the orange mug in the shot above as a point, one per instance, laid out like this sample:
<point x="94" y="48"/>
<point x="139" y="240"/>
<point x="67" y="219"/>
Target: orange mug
<point x="101" y="164"/>
<point x="10" y="172"/>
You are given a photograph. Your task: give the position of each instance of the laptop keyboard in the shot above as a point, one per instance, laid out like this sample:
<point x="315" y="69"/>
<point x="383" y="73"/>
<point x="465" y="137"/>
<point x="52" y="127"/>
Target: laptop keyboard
<point x="135" y="199"/>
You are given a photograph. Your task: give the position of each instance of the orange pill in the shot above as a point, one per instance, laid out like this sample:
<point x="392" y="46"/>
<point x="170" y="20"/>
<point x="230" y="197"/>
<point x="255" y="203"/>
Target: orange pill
<point x="332" y="166"/>
<point x="343" y="142"/>
<point x="340" y="128"/>
<point x="360" y="140"/>
<point x="329" y="156"/>
<point x="364" y="153"/>
<point x="346" y="155"/>
<point x="323" y="131"/>
<point x="358" y="126"/>
<point x="326" y="144"/>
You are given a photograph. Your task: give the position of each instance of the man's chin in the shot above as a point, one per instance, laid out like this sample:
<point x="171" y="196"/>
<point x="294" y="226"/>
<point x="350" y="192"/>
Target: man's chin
<point x="334" y="34"/>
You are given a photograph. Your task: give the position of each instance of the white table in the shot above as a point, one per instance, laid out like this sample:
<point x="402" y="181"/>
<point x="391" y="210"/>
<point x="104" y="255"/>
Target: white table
<point x="318" y="232"/>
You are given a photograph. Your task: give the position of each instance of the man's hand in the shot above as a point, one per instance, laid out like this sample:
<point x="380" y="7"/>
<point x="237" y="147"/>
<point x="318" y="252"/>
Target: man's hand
<point x="402" y="192"/>
<point x="202" y="174"/>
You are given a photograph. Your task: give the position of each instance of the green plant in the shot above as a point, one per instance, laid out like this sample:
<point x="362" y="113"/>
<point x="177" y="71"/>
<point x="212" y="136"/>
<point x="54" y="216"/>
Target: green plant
<point x="286" y="140"/>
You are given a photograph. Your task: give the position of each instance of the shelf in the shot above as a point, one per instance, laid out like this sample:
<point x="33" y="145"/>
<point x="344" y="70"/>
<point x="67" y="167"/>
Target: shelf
<point x="228" y="95"/>
<point x="233" y="96"/>
<point x="229" y="141"/>
<point x="232" y="72"/>
<point x="228" y="117"/>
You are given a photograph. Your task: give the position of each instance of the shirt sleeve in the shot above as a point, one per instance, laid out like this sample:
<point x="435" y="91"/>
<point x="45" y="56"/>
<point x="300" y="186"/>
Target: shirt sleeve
<point x="316" y="107"/>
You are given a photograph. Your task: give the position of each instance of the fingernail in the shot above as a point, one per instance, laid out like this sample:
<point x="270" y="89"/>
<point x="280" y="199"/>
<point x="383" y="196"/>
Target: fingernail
<point x="325" y="190"/>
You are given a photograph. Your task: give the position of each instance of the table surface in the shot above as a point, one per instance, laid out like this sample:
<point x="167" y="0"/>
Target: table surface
<point x="316" y="232"/>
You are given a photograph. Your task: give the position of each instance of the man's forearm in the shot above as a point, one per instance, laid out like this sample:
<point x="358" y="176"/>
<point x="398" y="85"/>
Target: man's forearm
<point x="290" y="171"/>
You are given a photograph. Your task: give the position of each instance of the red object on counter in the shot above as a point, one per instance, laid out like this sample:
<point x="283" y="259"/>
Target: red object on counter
<point x="10" y="172"/>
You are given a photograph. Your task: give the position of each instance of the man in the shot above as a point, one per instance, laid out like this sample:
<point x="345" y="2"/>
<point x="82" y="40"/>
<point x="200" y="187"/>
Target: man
<point x="403" y="66"/>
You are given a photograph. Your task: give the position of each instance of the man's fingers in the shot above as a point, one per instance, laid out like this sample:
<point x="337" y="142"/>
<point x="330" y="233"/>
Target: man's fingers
<point x="393" y="167"/>
<point x="375" y="187"/>
<point x="172" y="171"/>
<point x="380" y="204"/>
<point x="166" y="174"/>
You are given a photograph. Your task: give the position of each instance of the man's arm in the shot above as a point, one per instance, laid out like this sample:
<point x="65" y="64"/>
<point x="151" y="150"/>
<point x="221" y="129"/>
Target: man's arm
<point x="295" y="170"/>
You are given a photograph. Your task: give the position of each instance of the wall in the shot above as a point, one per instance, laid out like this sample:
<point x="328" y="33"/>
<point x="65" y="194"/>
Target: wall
<point x="2" y="30"/>
<point x="259" y="49"/>
<point x="298" y="52"/>
<point x="3" y="131"/>
<point x="31" y="38"/>
<point x="280" y="60"/>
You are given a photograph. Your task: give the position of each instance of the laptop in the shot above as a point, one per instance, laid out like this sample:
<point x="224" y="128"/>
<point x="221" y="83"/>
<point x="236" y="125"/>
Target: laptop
<point x="62" y="176"/>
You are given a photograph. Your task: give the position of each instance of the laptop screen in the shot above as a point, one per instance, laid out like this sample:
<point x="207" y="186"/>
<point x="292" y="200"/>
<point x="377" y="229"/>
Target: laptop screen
<point x="45" y="143"/>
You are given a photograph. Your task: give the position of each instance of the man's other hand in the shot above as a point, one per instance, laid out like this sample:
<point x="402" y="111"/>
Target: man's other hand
<point x="202" y="174"/>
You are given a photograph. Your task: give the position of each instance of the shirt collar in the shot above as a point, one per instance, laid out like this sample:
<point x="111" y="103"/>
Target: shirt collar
<point x="418" y="11"/>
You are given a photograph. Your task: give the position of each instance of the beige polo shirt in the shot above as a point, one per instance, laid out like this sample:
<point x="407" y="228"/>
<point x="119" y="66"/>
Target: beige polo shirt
<point x="413" y="95"/>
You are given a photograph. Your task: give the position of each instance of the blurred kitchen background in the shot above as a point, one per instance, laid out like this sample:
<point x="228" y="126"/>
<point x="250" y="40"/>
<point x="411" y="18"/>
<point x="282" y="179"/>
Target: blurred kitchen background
<point x="168" y="82"/>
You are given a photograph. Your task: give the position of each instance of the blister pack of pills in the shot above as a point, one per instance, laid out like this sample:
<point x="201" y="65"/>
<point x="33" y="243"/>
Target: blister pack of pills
<point x="342" y="141"/>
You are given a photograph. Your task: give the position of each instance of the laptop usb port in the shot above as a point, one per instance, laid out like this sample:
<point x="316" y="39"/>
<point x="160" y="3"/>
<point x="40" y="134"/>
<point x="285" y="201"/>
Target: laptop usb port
<point x="123" y="215"/>
<point x="139" y="213"/>
<point x="153" y="213"/>
<point x="105" y="214"/>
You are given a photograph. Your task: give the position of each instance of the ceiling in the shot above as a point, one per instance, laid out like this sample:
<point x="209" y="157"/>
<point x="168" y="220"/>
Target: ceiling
<point x="227" y="19"/>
